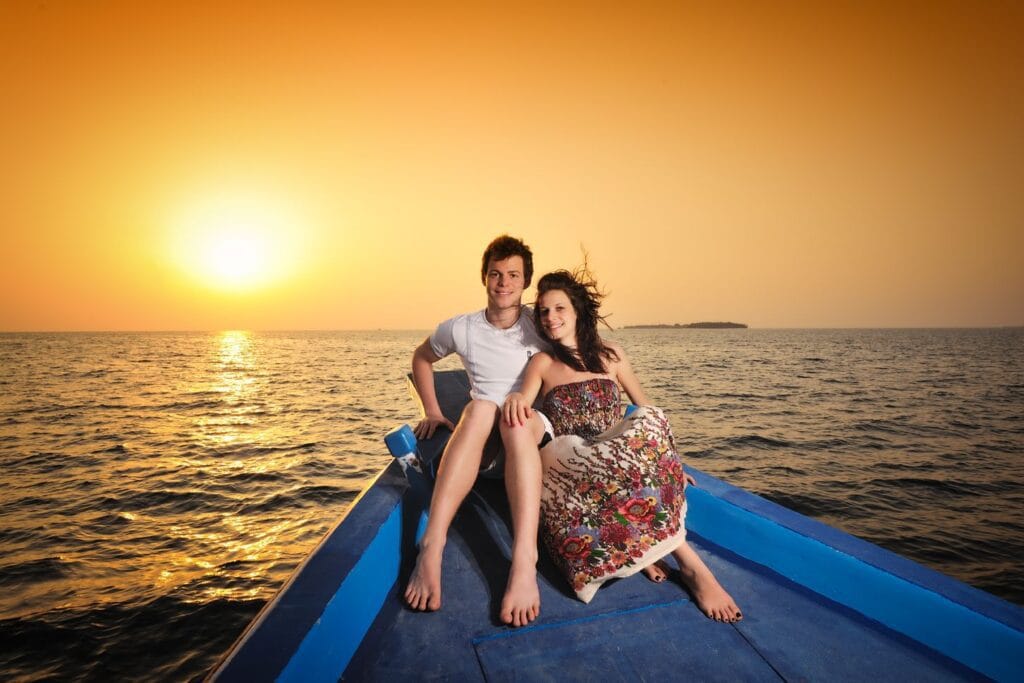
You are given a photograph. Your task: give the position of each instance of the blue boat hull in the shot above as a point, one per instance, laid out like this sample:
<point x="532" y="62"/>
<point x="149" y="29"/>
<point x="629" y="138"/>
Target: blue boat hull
<point x="819" y="604"/>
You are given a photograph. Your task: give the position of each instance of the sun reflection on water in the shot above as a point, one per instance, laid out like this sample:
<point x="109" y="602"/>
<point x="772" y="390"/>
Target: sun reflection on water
<point x="231" y="372"/>
<point x="235" y="353"/>
<point x="235" y="443"/>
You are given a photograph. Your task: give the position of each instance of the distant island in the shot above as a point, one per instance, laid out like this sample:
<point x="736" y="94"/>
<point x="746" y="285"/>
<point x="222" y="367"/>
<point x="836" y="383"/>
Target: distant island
<point x="691" y="326"/>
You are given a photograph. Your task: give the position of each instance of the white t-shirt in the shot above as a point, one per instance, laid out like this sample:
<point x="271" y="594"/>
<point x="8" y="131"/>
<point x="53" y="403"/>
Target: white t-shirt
<point x="495" y="359"/>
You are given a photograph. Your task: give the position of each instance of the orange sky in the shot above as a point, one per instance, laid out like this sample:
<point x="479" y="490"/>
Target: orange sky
<point x="795" y="167"/>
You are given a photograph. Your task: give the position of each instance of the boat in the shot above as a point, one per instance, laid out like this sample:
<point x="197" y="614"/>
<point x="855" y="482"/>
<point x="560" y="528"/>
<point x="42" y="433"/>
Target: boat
<point x="818" y="603"/>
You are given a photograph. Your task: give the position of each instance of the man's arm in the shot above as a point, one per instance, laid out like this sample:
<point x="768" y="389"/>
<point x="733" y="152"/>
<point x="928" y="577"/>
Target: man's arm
<point x="423" y="360"/>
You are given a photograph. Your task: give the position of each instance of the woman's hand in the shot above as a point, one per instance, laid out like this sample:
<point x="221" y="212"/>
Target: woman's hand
<point x="516" y="410"/>
<point x="425" y="428"/>
<point x="690" y="481"/>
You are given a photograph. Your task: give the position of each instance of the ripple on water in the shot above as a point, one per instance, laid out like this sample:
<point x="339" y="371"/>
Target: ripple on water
<point x="36" y="570"/>
<point x="160" y="487"/>
<point x="755" y="441"/>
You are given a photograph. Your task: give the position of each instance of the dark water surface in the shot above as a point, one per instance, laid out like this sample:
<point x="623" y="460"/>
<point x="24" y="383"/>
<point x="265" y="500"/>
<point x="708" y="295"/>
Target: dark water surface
<point x="156" y="489"/>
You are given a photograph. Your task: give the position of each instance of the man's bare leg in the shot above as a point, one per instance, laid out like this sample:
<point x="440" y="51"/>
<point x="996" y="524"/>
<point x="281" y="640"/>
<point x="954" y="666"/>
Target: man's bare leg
<point x="459" y="467"/>
<point x="521" y="603"/>
<point x="711" y="598"/>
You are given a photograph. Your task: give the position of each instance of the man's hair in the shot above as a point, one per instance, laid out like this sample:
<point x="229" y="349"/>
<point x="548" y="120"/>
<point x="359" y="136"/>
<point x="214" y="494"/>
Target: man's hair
<point x="503" y="247"/>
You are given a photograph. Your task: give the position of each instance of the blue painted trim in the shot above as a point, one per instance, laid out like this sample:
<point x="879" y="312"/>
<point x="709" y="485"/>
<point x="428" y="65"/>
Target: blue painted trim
<point x="957" y="591"/>
<point x="271" y="641"/>
<point x="328" y="647"/>
<point x="808" y="555"/>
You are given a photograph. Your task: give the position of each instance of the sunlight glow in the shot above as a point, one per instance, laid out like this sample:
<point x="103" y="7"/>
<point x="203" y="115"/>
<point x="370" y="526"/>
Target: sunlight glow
<point x="238" y="242"/>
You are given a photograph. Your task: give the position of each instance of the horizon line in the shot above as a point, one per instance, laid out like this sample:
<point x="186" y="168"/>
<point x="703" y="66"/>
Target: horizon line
<point x="428" y="329"/>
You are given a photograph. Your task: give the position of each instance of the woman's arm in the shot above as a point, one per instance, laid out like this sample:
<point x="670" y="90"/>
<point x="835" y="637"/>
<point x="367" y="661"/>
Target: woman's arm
<point x="518" y="405"/>
<point x="627" y="378"/>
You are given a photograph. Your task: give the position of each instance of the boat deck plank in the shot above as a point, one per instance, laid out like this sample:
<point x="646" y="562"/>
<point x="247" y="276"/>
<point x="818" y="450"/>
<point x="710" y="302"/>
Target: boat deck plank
<point x="633" y="628"/>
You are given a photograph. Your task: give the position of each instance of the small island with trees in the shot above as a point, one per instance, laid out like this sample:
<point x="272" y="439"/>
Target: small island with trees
<point x="689" y="326"/>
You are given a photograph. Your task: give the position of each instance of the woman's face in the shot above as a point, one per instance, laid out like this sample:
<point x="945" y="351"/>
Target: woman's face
<point x="557" y="316"/>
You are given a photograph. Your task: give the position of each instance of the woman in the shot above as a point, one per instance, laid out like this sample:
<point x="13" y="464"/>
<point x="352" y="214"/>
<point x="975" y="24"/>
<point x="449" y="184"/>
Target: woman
<point x="613" y="501"/>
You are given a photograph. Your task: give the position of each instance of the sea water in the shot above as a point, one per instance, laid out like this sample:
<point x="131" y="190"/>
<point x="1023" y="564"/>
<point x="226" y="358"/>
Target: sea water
<point x="157" y="489"/>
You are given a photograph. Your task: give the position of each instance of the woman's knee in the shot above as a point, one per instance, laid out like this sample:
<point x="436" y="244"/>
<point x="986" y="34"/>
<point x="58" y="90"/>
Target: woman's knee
<point x="534" y="429"/>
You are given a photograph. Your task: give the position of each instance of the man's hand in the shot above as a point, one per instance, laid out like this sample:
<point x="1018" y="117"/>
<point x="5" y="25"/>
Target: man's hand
<point x="516" y="410"/>
<point x="425" y="429"/>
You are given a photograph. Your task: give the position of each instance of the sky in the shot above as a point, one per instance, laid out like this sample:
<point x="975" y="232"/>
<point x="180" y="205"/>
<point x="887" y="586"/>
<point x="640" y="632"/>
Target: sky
<point x="326" y="165"/>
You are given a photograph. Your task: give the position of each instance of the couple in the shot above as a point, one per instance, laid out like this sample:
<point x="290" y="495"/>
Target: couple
<point x="612" y="489"/>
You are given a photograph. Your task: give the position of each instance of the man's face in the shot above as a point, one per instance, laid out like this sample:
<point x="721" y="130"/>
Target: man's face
<point x="505" y="282"/>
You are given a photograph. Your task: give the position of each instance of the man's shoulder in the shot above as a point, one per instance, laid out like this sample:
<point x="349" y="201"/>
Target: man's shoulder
<point x="451" y="334"/>
<point x="472" y="316"/>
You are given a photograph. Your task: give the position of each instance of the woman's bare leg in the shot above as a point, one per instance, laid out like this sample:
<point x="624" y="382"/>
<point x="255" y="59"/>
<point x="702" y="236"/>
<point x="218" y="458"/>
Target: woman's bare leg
<point x="656" y="572"/>
<point x="709" y="595"/>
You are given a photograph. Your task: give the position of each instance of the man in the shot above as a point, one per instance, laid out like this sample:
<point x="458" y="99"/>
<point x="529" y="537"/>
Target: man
<point x="494" y="345"/>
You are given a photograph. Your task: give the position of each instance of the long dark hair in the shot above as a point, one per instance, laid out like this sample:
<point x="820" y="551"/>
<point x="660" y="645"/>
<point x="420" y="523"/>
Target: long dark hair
<point x="591" y="353"/>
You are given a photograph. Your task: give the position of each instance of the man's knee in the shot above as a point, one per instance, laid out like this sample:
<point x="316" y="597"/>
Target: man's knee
<point x="477" y="420"/>
<point x="479" y="410"/>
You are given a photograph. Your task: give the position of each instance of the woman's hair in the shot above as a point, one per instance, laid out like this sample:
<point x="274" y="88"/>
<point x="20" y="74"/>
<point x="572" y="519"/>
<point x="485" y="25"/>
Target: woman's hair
<point x="591" y="353"/>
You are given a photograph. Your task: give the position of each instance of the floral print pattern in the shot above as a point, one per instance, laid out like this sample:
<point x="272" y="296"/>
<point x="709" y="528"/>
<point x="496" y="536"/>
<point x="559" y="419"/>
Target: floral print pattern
<point x="614" y="498"/>
<point x="584" y="408"/>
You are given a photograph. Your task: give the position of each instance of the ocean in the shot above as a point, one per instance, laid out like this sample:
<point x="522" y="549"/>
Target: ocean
<point x="157" y="489"/>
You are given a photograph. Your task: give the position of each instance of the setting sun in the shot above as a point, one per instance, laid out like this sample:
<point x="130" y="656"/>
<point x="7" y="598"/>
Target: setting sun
<point x="236" y="258"/>
<point x="240" y="242"/>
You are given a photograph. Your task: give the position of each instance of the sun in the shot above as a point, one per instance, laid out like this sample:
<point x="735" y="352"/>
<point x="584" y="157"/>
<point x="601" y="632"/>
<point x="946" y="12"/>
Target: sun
<point x="236" y="256"/>
<point x="237" y="242"/>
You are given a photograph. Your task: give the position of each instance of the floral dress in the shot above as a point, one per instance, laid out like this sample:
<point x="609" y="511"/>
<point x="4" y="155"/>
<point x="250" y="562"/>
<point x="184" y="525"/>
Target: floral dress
<point x="613" y="500"/>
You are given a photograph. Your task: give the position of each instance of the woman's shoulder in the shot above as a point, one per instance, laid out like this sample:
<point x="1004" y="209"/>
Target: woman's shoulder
<point x="542" y="359"/>
<point x="616" y="348"/>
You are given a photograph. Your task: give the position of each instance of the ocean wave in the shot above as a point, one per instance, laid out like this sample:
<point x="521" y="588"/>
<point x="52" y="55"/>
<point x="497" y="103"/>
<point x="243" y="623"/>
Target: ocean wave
<point x="756" y="441"/>
<point x="302" y="497"/>
<point x="20" y="505"/>
<point x="195" y="464"/>
<point x="166" y="501"/>
<point x="943" y="486"/>
<point x="116" y="448"/>
<point x="815" y="506"/>
<point x="47" y="462"/>
<point x="169" y="638"/>
<point x="37" y="570"/>
<point x="253" y="450"/>
<point x="110" y="522"/>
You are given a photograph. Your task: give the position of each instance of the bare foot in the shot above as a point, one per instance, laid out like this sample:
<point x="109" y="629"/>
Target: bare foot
<point x="424" y="589"/>
<point x="656" y="572"/>
<point x="521" y="603"/>
<point x="709" y="595"/>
